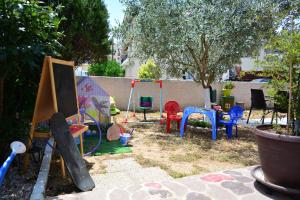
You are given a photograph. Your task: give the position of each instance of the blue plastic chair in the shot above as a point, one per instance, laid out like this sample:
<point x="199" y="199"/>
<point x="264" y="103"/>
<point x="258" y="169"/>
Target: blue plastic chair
<point x="235" y="113"/>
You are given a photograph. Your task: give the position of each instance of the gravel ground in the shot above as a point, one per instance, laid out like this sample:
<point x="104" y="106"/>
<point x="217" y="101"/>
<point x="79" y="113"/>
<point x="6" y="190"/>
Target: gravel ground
<point x="18" y="185"/>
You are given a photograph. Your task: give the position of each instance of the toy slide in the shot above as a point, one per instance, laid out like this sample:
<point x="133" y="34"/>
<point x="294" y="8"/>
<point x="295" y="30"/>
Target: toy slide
<point x="70" y="153"/>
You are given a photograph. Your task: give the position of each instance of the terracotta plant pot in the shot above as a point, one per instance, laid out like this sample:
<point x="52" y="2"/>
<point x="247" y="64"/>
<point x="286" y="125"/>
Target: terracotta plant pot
<point x="226" y="92"/>
<point x="279" y="157"/>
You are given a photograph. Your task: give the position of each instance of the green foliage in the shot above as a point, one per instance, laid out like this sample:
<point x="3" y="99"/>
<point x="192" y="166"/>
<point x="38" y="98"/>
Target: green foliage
<point x="228" y="85"/>
<point x="277" y="65"/>
<point x="28" y="33"/>
<point x="203" y="38"/>
<point x="285" y="45"/>
<point x="149" y="71"/>
<point x="198" y="123"/>
<point x="107" y="68"/>
<point x="86" y="30"/>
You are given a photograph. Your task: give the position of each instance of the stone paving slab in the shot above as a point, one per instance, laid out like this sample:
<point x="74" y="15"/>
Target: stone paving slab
<point x="235" y="184"/>
<point x="151" y="174"/>
<point x="121" y="165"/>
<point x="112" y="180"/>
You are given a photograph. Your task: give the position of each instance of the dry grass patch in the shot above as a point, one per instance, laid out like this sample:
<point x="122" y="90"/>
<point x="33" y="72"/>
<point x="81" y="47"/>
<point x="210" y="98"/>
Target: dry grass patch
<point x="152" y="146"/>
<point x="188" y="157"/>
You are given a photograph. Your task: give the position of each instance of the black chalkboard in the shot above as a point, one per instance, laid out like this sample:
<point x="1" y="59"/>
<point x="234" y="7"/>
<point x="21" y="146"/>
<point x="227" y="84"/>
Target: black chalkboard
<point x="65" y="89"/>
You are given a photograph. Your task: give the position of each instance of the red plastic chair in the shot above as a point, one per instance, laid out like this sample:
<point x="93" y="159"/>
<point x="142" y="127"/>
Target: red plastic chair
<point x="172" y="108"/>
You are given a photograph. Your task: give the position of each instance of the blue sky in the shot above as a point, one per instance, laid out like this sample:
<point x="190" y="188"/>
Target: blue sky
<point x="115" y="10"/>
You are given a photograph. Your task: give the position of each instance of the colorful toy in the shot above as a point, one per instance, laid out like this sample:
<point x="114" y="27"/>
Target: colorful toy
<point x="210" y="113"/>
<point x="113" y="108"/>
<point x="17" y="148"/>
<point x="114" y="132"/>
<point x="172" y="108"/>
<point x="145" y="102"/>
<point x="235" y="113"/>
<point x="124" y="138"/>
<point x="95" y="122"/>
<point x="94" y="99"/>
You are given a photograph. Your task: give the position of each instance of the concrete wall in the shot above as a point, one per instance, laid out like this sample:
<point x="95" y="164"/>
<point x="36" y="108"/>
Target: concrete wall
<point x="186" y="93"/>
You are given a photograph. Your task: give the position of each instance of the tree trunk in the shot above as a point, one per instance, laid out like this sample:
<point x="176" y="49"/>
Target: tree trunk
<point x="290" y="98"/>
<point x="207" y="102"/>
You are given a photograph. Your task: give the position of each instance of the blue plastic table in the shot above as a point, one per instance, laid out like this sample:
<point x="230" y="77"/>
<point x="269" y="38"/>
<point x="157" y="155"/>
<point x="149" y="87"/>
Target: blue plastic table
<point x="210" y="113"/>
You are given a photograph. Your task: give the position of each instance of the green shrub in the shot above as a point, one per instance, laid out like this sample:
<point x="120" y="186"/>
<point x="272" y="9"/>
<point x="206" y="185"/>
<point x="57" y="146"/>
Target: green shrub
<point x="149" y="70"/>
<point x="29" y="31"/>
<point x="198" y="123"/>
<point x="108" y="68"/>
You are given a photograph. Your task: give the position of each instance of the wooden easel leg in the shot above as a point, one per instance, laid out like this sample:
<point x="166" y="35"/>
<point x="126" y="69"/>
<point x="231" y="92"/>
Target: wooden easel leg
<point x="28" y="146"/>
<point x="26" y="162"/>
<point x="81" y="144"/>
<point x="62" y="166"/>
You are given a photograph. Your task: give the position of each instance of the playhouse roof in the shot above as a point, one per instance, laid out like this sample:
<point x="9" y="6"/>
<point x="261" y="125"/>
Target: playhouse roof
<point x="86" y="86"/>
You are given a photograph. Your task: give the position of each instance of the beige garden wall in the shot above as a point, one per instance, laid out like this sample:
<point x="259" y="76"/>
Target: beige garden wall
<point x="187" y="93"/>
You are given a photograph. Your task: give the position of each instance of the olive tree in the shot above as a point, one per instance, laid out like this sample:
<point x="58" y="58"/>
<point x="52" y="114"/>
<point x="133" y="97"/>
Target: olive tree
<point x="202" y="37"/>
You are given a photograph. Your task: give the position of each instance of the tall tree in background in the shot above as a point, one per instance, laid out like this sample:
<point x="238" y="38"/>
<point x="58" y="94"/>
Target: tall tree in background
<point x="85" y="30"/>
<point x="204" y="38"/>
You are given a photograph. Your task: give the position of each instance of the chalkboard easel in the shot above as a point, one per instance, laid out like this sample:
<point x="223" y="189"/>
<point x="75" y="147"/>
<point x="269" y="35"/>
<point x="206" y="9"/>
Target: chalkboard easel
<point x="57" y="93"/>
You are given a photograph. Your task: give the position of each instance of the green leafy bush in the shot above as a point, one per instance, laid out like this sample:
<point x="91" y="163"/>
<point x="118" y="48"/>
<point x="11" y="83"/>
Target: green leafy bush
<point x="149" y="70"/>
<point x="198" y="123"/>
<point x="283" y="63"/>
<point x="29" y="31"/>
<point x="107" y="68"/>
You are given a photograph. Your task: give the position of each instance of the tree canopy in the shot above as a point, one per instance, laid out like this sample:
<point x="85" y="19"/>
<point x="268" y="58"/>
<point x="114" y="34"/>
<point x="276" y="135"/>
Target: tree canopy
<point x="204" y="38"/>
<point x="85" y="27"/>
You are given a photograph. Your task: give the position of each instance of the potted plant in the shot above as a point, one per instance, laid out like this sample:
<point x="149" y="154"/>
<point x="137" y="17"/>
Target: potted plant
<point x="279" y="146"/>
<point x="227" y="88"/>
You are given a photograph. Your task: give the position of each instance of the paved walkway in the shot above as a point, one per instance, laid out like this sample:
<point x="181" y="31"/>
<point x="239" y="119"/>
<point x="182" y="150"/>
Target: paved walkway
<point x="127" y="180"/>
